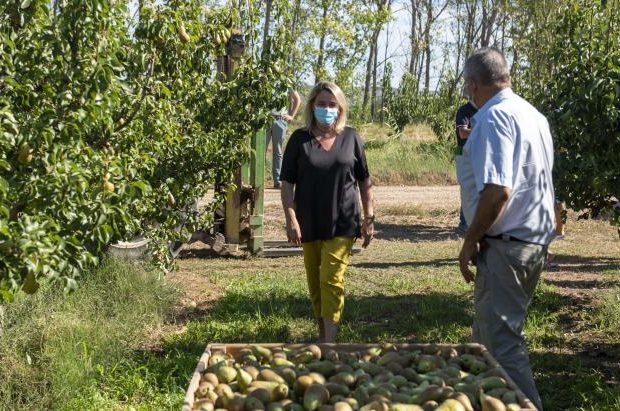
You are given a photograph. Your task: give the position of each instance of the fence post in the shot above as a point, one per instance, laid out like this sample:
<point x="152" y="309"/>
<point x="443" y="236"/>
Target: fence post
<point x="257" y="181"/>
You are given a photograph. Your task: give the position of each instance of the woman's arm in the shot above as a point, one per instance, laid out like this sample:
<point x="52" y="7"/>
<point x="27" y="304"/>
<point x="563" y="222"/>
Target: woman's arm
<point x="294" y="103"/>
<point x="287" y="194"/>
<point x="368" y="226"/>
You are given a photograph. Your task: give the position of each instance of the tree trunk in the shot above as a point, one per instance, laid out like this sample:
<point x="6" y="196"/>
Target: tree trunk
<point x="385" y="82"/>
<point x="459" y="50"/>
<point x="414" y="38"/>
<point x="419" y="61"/>
<point x="268" y="6"/>
<point x="371" y="64"/>
<point x="292" y="57"/>
<point x="321" y="57"/>
<point x="373" y="100"/>
<point x="369" y="67"/>
<point x="427" y="44"/>
<point x="470" y="28"/>
<point x="489" y="15"/>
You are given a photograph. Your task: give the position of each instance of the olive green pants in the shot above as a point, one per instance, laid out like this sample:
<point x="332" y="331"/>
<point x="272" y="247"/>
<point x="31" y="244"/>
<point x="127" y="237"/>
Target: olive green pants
<point x="506" y="278"/>
<point x="326" y="262"/>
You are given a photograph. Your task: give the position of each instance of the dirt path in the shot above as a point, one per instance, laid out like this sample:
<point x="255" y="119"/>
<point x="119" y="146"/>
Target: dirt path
<point x="390" y="201"/>
<point x="425" y="196"/>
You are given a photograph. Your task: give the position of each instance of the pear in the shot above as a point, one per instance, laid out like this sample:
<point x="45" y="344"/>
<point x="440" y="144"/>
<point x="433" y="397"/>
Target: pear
<point x="342" y="406"/>
<point x="315" y="396"/>
<point x="24" y="155"/>
<point x="226" y="374"/>
<point x="253" y="403"/>
<point x="183" y="36"/>
<point x="451" y="405"/>
<point x="491" y="404"/>
<point x="243" y="379"/>
<point x="108" y="187"/>
<point x="30" y="285"/>
<point x="270" y="375"/>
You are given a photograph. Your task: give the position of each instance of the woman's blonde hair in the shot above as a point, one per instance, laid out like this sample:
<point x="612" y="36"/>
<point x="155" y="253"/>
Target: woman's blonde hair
<point x="343" y="106"/>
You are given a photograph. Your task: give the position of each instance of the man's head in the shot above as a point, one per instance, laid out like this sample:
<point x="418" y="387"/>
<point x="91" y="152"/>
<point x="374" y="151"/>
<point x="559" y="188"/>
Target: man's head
<point x="486" y="73"/>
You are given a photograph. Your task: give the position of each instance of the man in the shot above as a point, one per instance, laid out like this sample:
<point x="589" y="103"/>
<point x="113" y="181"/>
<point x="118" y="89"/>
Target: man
<point x="277" y="133"/>
<point x="463" y="128"/>
<point x="508" y="202"/>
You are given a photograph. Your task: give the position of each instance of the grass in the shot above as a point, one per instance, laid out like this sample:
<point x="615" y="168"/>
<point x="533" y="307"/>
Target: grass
<point x="59" y="351"/>
<point x="416" y="158"/>
<point x="93" y="350"/>
<point x="607" y="317"/>
<point x="411" y="162"/>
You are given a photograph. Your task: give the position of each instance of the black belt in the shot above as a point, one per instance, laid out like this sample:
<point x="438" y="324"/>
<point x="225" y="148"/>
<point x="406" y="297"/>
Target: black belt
<point x="505" y="237"/>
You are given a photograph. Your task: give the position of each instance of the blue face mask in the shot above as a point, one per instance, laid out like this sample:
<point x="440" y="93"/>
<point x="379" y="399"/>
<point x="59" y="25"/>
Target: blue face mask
<point x="326" y="115"/>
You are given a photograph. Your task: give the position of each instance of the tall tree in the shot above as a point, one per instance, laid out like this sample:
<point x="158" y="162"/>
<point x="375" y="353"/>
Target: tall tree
<point x="414" y="36"/>
<point x="319" y="68"/>
<point x="430" y="20"/>
<point x="378" y="17"/>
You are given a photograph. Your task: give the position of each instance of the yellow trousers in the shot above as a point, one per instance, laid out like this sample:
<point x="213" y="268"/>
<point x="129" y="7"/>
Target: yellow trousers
<point x="326" y="262"/>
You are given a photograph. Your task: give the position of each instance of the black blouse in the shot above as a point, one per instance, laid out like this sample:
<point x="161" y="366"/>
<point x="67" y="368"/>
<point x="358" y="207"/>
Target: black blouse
<point x="326" y="189"/>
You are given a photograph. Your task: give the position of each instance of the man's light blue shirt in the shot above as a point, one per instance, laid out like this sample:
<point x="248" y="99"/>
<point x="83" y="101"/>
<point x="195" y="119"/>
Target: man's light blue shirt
<point x="510" y="145"/>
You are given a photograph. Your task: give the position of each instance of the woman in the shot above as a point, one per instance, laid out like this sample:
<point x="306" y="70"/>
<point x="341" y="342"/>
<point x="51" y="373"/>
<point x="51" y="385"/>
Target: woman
<point x="323" y="165"/>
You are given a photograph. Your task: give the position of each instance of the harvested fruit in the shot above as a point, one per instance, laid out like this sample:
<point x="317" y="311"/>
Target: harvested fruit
<point x="379" y="378"/>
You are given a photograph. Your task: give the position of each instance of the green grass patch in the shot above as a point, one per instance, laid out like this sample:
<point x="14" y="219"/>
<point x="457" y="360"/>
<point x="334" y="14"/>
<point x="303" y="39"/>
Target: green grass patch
<point x="607" y="317"/>
<point x="411" y="162"/>
<point x="57" y="351"/>
<point x="415" y="158"/>
<point x="564" y="383"/>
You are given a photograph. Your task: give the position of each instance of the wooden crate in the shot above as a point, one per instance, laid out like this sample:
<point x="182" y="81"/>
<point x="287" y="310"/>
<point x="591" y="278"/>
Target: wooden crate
<point x="233" y="350"/>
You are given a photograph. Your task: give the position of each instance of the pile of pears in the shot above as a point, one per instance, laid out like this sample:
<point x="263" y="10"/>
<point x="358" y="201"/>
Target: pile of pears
<point x="379" y="378"/>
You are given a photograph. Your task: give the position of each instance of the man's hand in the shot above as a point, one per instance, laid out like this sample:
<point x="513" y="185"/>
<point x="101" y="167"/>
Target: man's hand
<point x="492" y="201"/>
<point x="293" y="232"/>
<point x="469" y="253"/>
<point x="287" y="117"/>
<point x="464" y="131"/>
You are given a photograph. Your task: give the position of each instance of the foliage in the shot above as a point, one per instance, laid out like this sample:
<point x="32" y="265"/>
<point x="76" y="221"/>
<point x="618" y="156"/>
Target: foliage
<point x="408" y="106"/>
<point x="345" y="26"/>
<point x="113" y="126"/>
<point x="580" y="95"/>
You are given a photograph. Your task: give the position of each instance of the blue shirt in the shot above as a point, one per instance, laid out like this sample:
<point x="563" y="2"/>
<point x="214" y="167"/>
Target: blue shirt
<point x="510" y="145"/>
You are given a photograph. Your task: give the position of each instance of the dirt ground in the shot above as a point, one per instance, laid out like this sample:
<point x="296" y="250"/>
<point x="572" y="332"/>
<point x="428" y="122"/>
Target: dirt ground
<point x="389" y="201"/>
<point x="427" y="196"/>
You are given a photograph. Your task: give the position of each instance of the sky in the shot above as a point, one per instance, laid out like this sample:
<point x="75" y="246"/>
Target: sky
<point x="399" y="49"/>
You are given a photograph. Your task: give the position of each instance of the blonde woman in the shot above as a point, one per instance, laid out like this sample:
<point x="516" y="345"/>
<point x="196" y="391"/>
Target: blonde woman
<point x="324" y="171"/>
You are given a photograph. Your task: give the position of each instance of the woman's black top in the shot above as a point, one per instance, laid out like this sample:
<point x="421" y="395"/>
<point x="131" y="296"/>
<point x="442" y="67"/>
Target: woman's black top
<point x="326" y="190"/>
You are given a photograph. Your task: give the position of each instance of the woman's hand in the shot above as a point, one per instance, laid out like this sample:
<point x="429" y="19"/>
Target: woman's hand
<point x="293" y="232"/>
<point x="368" y="230"/>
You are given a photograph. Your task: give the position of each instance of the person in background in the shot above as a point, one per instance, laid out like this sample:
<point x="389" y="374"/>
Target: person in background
<point x="324" y="173"/>
<point x="277" y="133"/>
<point x="463" y="128"/>
<point x="508" y="202"/>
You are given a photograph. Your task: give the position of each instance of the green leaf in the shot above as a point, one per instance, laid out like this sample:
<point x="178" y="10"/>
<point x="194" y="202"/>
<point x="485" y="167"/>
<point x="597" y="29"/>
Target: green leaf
<point x="25" y="4"/>
<point x="4" y="185"/>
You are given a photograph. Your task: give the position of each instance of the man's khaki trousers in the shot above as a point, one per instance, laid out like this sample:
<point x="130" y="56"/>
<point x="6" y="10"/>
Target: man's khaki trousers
<point x="507" y="275"/>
